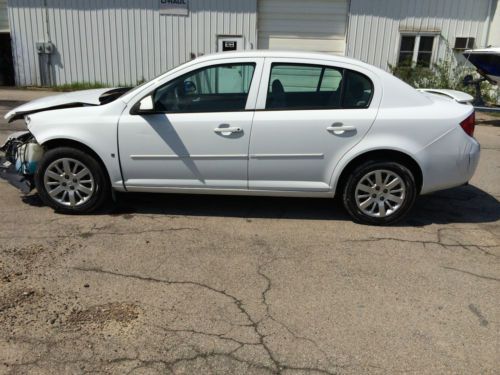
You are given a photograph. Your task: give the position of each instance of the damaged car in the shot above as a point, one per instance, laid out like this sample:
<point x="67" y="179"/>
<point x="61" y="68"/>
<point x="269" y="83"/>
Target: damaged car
<point x="249" y="123"/>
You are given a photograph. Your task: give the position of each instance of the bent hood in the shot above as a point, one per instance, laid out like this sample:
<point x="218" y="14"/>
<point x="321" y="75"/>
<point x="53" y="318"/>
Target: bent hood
<point x="60" y="101"/>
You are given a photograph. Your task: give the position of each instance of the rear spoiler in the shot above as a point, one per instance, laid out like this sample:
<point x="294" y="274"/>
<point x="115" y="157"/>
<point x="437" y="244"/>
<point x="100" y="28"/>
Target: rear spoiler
<point x="458" y="96"/>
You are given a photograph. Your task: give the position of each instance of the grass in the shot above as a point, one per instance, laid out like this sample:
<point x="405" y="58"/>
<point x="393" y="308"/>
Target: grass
<point x="74" y="86"/>
<point x="493" y="114"/>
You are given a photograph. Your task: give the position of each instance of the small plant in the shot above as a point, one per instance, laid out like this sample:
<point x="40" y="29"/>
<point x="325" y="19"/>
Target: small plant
<point x="444" y="74"/>
<point x="74" y="86"/>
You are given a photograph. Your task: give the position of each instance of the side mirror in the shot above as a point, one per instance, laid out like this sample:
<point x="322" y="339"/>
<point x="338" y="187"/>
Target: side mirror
<point x="145" y="105"/>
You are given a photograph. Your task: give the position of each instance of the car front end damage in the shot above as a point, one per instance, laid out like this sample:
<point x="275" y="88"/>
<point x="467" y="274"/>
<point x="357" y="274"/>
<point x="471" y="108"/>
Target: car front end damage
<point x="19" y="158"/>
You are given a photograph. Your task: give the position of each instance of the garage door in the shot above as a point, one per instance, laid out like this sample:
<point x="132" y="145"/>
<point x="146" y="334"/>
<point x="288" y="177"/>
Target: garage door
<point x="4" y="22"/>
<point x="310" y="25"/>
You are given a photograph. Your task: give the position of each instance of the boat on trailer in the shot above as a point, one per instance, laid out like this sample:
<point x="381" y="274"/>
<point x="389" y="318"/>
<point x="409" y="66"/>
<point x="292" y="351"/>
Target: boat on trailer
<point x="487" y="62"/>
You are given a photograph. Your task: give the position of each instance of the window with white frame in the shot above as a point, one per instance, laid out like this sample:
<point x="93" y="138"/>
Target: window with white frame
<point x="416" y="50"/>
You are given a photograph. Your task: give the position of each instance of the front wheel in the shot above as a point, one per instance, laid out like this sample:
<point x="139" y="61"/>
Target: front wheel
<point x="71" y="181"/>
<point x="379" y="192"/>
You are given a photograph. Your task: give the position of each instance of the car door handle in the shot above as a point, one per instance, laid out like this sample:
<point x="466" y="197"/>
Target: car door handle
<point x="228" y="130"/>
<point x="339" y="128"/>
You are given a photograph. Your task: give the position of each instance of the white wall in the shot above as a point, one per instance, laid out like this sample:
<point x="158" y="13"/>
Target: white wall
<point x="494" y="34"/>
<point x="120" y="42"/>
<point x="374" y="25"/>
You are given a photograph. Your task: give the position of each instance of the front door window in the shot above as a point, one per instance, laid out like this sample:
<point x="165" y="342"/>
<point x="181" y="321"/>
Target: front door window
<point x="220" y="88"/>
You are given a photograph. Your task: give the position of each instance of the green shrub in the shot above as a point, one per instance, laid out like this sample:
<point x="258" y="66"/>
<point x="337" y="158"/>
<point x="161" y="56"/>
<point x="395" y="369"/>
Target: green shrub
<point x="74" y="86"/>
<point x="444" y="75"/>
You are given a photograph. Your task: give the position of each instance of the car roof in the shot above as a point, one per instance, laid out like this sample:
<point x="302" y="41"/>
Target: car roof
<point x="279" y="54"/>
<point x="263" y="54"/>
<point x="394" y="96"/>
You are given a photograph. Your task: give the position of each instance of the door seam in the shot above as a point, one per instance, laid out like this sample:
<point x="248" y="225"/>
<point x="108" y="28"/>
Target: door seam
<point x="252" y="122"/>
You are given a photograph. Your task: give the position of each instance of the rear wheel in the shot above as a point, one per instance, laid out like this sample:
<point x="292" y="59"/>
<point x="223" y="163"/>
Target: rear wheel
<point x="71" y="181"/>
<point x="379" y="192"/>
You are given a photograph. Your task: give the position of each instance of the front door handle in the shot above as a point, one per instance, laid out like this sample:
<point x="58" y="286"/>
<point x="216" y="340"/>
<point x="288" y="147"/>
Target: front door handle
<point x="228" y="130"/>
<point x="338" y="128"/>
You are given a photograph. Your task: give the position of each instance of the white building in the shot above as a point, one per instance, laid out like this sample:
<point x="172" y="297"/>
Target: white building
<point x="122" y="42"/>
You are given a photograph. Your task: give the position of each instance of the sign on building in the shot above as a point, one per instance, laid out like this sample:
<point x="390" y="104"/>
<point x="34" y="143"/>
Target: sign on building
<point x="174" y="7"/>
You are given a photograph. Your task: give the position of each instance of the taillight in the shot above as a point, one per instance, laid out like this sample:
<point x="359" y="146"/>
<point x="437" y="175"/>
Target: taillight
<point x="468" y="124"/>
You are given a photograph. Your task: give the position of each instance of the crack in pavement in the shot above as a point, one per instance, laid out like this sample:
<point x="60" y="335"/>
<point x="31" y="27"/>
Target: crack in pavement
<point x="439" y="242"/>
<point x="277" y="366"/>
<point x="471" y="273"/>
<point x="271" y="317"/>
<point x="90" y="233"/>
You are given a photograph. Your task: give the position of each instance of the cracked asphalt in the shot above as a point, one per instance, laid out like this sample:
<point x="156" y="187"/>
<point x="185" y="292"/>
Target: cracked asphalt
<point x="180" y="284"/>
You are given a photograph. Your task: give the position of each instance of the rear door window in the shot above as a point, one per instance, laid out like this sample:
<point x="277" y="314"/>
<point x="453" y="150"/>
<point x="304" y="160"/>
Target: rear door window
<point x="295" y="86"/>
<point x="304" y="86"/>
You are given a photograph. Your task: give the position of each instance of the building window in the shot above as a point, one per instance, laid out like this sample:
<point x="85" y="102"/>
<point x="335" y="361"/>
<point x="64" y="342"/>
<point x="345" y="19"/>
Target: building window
<point x="461" y="43"/>
<point x="416" y="50"/>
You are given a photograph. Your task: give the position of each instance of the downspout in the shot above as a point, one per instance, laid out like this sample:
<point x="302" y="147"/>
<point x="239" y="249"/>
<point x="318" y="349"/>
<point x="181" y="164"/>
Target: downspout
<point x="348" y="18"/>
<point x="488" y="23"/>
<point x="47" y="27"/>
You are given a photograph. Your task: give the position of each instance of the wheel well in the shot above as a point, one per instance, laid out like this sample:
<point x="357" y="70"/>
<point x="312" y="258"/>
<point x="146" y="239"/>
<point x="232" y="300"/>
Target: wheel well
<point x="385" y="155"/>
<point x="54" y="143"/>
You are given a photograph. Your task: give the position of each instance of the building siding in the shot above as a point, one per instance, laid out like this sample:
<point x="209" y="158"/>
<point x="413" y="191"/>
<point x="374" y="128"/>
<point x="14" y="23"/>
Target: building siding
<point x="120" y="42"/>
<point x="374" y="26"/>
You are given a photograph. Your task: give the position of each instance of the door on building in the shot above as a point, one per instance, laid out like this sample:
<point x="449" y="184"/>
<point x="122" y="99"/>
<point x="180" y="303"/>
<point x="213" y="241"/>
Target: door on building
<point x="6" y="62"/>
<point x="312" y="25"/>
<point x="198" y="134"/>
<point x="307" y="117"/>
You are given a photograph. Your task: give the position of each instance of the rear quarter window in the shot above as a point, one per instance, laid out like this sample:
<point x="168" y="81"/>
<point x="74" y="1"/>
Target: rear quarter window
<point x="358" y="90"/>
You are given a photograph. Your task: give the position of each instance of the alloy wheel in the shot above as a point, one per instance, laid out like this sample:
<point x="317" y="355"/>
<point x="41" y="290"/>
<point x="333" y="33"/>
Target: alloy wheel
<point x="380" y="193"/>
<point x="69" y="182"/>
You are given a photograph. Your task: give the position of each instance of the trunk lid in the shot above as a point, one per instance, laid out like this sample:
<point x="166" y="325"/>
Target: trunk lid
<point x="458" y="96"/>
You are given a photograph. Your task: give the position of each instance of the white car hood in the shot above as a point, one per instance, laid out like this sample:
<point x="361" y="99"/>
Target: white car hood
<point x="66" y="100"/>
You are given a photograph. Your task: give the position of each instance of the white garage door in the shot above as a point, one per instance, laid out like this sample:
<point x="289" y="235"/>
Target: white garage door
<point x="310" y="25"/>
<point x="4" y="22"/>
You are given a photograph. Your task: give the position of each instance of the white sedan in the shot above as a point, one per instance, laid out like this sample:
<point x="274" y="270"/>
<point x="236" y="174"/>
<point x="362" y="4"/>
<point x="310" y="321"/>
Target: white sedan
<point x="252" y="123"/>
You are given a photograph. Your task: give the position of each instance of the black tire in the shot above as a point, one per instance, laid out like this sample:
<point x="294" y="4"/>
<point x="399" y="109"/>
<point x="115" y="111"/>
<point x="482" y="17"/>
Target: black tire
<point x="100" y="187"/>
<point x="365" y="169"/>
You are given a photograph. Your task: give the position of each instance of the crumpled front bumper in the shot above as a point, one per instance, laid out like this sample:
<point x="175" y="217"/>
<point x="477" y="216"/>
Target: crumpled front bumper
<point x="9" y="172"/>
<point x="17" y="161"/>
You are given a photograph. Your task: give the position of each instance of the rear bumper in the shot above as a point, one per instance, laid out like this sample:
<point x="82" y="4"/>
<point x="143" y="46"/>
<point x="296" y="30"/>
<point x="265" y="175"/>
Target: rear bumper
<point x="450" y="161"/>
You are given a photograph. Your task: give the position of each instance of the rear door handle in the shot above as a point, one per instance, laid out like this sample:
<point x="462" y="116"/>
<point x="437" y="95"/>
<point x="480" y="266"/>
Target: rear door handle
<point x="228" y="130"/>
<point x="339" y="129"/>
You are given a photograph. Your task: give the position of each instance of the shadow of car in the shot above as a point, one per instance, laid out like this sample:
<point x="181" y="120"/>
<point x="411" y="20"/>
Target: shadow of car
<point x="466" y="204"/>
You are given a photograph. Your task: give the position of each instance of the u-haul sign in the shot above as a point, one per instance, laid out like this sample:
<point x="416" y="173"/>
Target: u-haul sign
<point x="174" y="7"/>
